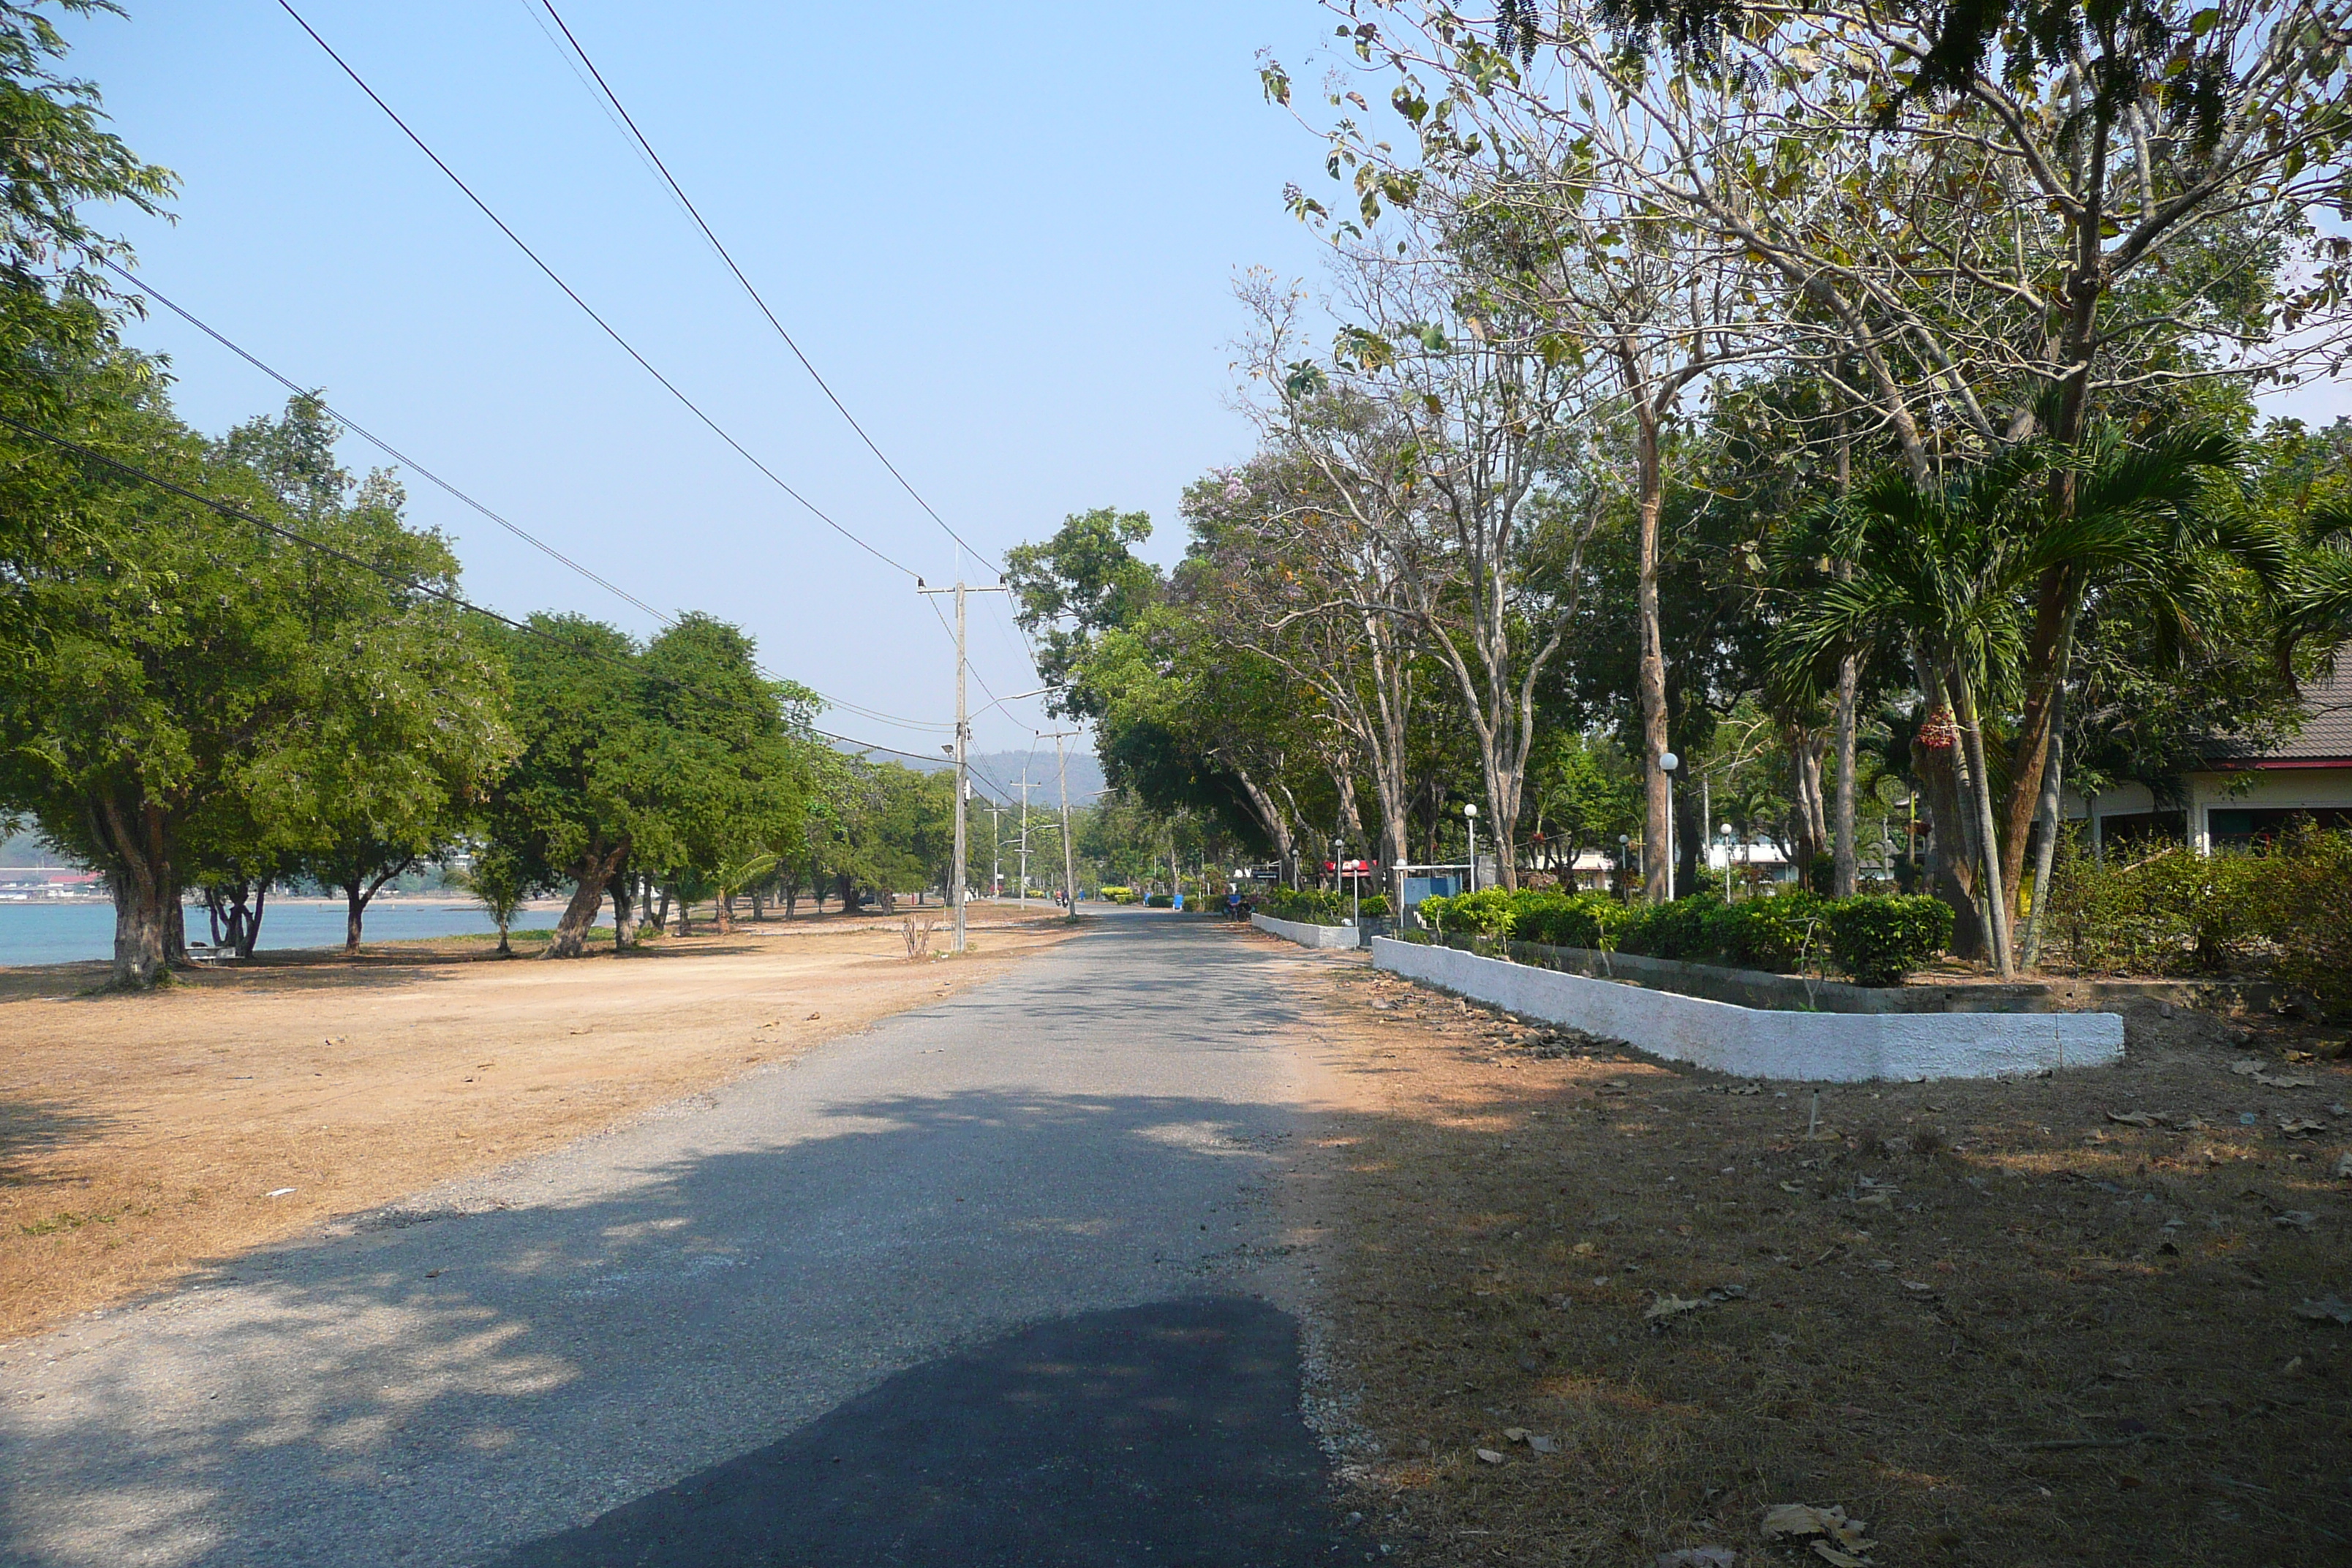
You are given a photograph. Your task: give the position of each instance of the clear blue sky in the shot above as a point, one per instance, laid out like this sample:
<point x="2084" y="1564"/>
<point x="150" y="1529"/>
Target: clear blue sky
<point x="1005" y="233"/>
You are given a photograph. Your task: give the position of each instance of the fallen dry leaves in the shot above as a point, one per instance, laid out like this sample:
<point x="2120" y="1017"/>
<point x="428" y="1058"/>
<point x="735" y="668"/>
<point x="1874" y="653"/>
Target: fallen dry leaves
<point x="2009" y="1323"/>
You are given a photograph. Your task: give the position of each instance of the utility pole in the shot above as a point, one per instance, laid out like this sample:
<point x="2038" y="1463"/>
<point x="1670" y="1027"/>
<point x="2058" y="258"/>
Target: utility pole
<point x="995" y="851"/>
<point x="1069" y="857"/>
<point x="1025" y="785"/>
<point x="962" y="745"/>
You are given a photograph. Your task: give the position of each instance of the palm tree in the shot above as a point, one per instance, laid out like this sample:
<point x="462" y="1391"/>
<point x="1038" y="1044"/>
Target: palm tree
<point x="2318" y="592"/>
<point x="728" y="880"/>
<point x="1948" y="569"/>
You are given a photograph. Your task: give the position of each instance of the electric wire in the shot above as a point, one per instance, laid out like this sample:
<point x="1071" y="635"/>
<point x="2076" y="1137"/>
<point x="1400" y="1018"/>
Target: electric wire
<point x="708" y="233"/>
<point x="415" y="585"/>
<point x="397" y="456"/>
<point x="609" y="331"/>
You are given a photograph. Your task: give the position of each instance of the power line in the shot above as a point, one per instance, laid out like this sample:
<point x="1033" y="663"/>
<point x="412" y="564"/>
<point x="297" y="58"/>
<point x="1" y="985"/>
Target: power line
<point x="356" y="428"/>
<point x="695" y="214"/>
<point x="415" y="585"/>
<point x="553" y="277"/>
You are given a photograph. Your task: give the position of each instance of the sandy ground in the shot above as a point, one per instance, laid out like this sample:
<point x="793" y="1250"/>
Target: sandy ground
<point x="141" y="1137"/>
<point x="1583" y="1307"/>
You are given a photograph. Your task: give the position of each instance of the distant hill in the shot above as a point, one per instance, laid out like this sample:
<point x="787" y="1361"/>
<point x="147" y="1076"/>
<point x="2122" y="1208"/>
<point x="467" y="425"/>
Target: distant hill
<point x="998" y="774"/>
<point x="25" y="850"/>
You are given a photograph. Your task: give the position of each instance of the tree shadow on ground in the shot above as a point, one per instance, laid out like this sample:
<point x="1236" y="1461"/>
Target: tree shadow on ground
<point x="1162" y="1433"/>
<point x="352" y="1402"/>
<point x="30" y="1128"/>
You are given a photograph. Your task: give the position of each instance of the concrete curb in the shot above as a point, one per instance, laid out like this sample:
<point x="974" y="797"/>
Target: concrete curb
<point x="1827" y="1047"/>
<point x="1306" y="935"/>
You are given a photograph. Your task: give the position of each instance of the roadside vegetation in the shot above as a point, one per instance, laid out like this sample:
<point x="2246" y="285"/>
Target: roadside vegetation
<point x="231" y="664"/>
<point x="1855" y="405"/>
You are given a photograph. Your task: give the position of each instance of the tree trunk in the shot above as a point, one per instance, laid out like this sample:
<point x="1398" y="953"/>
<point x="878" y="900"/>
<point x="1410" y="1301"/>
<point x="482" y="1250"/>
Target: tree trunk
<point x="594" y="871"/>
<point x="1845" y="861"/>
<point x="624" y="912"/>
<point x="2047" y="652"/>
<point x="723" y="908"/>
<point x="139" y="873"/>
<point x="354" y="910"/>
<point x="1950" y="875"/>
<point x="138" y="931"/>
<point x="1993" y="907"/>
<point x="1268" y="813"/>
<point x="251" y="935"/>
<point x="661" y="911"/>
<point x="2045" y="848"/>
<point x="1651" y="678"/>
<point x="1812" y="825"/>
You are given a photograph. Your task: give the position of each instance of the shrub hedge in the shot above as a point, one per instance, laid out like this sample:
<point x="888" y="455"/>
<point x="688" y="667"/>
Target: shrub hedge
<point x="1880" y="940"/>
<point x="2286" y="909"/>
<point x="1319" y="906"/>
<point x="1881" y="937"/>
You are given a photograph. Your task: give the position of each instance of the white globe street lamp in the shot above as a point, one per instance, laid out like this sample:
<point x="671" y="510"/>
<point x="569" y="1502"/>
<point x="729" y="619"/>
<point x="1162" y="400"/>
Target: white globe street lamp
<point x="1470" y="817"/>
<point x="1668" y="764"/>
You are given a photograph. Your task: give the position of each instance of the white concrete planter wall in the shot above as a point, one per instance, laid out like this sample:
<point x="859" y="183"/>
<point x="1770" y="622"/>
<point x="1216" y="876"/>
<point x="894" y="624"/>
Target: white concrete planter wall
<point x="1306" y="935"/>
<point x="1752" y="1042"/>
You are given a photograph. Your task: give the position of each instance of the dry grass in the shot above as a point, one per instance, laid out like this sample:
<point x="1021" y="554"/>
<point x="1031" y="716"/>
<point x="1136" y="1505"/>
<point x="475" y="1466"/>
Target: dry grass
<point x="1996" y="1324"/>
<point x="142" y="1137"/>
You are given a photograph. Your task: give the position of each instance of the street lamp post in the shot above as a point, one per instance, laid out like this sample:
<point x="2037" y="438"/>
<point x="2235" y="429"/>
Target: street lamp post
<point x="1470" y="817"/>
<point x="1668" y="764"/>
<point x="1723" y="831"/>
<point x="1624" y="861"/>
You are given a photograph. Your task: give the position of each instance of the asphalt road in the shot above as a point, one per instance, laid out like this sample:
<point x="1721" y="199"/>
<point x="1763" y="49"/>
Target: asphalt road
<point x="982" y="1285"/>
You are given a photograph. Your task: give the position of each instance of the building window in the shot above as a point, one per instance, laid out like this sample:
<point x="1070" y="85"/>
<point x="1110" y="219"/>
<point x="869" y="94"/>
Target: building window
<point x="2144" y="830"/>
<point x="2234" y="827"/>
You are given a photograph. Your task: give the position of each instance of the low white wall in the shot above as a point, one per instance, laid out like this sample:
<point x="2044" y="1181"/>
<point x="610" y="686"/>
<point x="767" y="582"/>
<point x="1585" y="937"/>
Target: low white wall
<point x="1831" y="1047"/>
<point x="1306" y="935"/>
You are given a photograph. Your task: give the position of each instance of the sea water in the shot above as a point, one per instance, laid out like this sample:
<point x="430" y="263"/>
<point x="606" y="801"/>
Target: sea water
<point x="68" y="933"/>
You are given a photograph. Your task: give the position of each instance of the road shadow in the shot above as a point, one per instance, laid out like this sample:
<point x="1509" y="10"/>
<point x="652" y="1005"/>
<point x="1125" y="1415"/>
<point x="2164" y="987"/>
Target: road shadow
<point x="350" y="1397"/>
<point x="1165" y="1434"/>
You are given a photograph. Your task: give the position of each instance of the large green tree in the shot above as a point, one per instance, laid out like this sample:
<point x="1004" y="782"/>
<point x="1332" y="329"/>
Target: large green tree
<point x="681" y="752"/>
<point x="412" y="724"/>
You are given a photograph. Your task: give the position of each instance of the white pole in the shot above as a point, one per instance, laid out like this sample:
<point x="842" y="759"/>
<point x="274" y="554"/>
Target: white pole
<point x="963" y="747"/>
<point x="1668" y="764"/>
<point x="962" y="778"/>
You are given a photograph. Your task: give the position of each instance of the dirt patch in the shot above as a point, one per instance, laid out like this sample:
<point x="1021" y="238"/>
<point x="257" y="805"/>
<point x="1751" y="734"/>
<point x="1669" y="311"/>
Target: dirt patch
<point x="144" y="1137"/>
<point x="1584" y="1307"/>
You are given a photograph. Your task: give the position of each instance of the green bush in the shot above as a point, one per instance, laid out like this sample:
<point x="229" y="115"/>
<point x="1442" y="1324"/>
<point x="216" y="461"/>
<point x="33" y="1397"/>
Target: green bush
<point x="2304" y="905"/>
<point x="1310" y="906"/>
<point x="2287" y="908"/>
<point x="2176" y="913"/>
<point x="1584" y="920"/>
<point x="1158" y="902"/>
<point x="1375" y="907"/>
<point x="1789" y="932"/>
<point x="1880" y="940"/>
<point x="1685" y="929"/>
<point x="1782" y="933"/>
